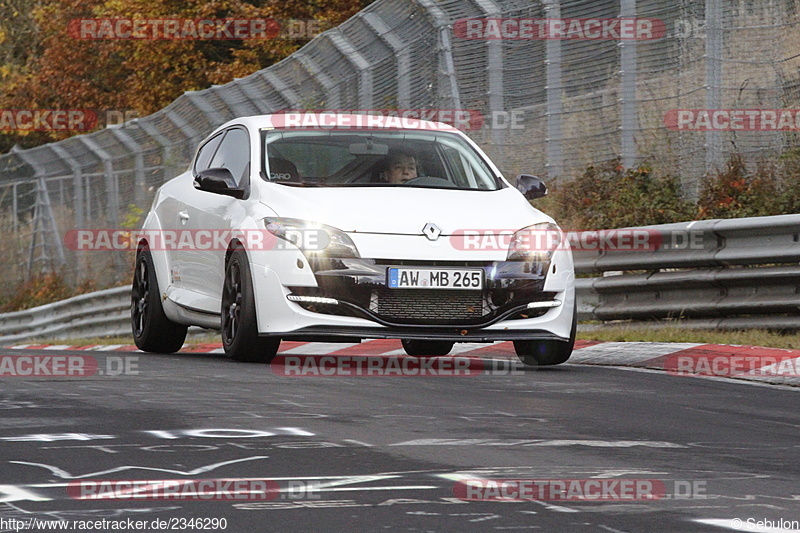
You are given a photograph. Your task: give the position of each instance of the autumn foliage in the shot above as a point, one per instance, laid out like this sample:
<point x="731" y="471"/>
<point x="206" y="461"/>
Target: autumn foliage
<point x="44" y="67"/>
<point x="607" y="195"/>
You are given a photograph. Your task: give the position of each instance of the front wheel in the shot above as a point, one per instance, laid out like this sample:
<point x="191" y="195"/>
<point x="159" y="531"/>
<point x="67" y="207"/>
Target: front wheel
<point x="152" y="330"/>
<point x="547" y="353"/>
<point x="239" y="327"/>
<point x="420" y="348"/>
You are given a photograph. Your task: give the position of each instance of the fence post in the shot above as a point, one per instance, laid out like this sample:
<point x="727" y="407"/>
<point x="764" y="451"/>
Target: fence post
<point x="215" y="117"/>
<point x="249" y="89"/>
<point x="44" y="224"/>
<point x="138" y="161"/>
<point x="236" y="107"/>
<point x="401" y="52"/>
<point x="166" y="146"/>
<point x="448" y="70"/>
<point x="77" y="180"/>
<point x="112" y="189"/>
<point x="713" y="78"/>
<point x="359" y="62"/>
<point x="447" y="77"/>
<point x="193" y="136"/>
<point x="288" y="94"/>
<point x="332" y="96"/>
<point x="555" y="108"/>
<point x="628" y="77"/>
<point x="495" y="66"/>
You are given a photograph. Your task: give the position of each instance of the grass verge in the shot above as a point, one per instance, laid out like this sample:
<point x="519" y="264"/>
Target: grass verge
<point x="751" y="337"/>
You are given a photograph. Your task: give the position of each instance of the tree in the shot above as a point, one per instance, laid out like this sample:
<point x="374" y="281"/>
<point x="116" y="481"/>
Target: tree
<point x="55" y="70"/>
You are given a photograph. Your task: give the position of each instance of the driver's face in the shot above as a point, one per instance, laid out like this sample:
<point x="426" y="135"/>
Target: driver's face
<point x="401" y="170"/>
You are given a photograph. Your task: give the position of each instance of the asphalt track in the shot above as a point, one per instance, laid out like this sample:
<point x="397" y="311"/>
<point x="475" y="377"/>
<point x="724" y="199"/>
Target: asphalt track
<point x="389" y="452"/>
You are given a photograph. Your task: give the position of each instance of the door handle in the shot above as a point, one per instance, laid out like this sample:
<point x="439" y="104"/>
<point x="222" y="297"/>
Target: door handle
<point x="183" y="215"/>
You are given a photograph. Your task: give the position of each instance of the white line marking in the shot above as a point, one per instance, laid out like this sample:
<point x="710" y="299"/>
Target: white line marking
<point x="463" y="347"/>
<point x="111" y="347"/>
<point x="358" y="442"/>
<point x="627" y="352"/>
<point x="353" y="489"/>
<point x="395" y="352"/>
<point x="295" y="478"/>
<point x="318" y="348"/>
<point x="712" y="378"/>
<point x="535" y="442"/>
<point x="63" y="474"/>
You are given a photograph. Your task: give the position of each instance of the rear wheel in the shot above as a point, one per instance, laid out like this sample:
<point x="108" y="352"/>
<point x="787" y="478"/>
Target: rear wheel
<point x="152" y="330"/>
<point x="547" y="353"/>
<point x="421" y="348"/>
<point x="239" y="327"/>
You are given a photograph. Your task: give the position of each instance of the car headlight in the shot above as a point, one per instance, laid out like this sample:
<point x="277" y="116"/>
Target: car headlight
<point x="535" y="243"/>
<point x="312" y="238"/>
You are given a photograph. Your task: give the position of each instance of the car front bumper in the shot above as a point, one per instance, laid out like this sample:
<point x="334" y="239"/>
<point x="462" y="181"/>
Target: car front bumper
<point x="347" y="301"/>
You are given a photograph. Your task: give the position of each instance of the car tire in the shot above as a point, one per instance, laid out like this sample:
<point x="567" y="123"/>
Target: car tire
<point x="240" y="338"/>
<point x="152" y="330"/>
<point x="547" y="353"/>
<point x="422" y="348"/>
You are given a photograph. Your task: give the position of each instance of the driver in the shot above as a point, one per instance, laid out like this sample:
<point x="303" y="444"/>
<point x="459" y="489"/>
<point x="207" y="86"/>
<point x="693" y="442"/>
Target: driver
<point x="402" y="166"/>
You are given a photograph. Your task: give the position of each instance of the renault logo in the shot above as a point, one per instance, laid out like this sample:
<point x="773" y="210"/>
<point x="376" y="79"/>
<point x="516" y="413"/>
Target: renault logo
<point x="431" y="231"/>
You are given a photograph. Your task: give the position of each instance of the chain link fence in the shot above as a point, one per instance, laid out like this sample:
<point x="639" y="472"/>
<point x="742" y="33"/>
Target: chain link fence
<point x="550" y="106"/>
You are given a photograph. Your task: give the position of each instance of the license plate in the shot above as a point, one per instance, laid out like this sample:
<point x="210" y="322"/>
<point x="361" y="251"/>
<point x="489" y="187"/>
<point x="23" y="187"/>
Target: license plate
<point x="433" y="278"/>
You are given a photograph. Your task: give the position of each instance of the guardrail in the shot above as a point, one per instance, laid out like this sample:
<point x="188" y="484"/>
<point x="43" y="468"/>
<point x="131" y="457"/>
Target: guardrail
<point x="725" y="274"/>
<point x="711" y="274"/>
<point x="97" y="314"/>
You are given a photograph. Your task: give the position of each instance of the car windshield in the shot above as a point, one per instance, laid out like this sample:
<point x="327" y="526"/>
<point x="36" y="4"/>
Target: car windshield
<point x="374" y="159"/>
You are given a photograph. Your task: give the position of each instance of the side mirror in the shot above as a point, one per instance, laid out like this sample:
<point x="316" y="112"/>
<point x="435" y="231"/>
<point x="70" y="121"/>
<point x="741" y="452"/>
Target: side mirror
<point x="218" y="181"/>
<point x="531" y="187"/>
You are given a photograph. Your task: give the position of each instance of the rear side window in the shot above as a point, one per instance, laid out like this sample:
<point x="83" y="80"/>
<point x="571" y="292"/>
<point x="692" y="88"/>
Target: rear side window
<point x="206" y="152"/>
<point x="233" y="153"/>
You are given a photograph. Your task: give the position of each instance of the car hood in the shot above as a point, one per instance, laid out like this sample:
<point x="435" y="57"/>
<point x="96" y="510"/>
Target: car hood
<point x="403" y="211"/>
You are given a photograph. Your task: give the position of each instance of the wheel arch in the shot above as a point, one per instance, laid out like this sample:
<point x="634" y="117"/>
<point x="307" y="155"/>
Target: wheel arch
<point x="161" y="262"/>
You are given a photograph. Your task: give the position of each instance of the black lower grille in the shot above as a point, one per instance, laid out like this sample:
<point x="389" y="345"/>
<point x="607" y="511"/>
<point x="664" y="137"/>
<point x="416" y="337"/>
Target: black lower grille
<point x="428" y="305"/>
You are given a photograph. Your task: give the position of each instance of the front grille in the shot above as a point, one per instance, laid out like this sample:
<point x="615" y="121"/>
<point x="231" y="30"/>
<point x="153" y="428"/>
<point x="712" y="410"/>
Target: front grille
<point x="430" y="305"/>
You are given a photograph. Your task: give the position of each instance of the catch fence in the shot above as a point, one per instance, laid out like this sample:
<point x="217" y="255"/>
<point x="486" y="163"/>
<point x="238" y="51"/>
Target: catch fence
<point x="549" y="106"/>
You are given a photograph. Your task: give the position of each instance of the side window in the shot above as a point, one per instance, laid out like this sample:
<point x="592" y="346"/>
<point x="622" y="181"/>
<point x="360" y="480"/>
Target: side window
<point x="233" y="153"/>
<point x="206" y="153"/>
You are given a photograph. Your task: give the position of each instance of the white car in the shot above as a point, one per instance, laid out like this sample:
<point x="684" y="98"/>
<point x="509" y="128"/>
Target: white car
<point x="324" y="227"/>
